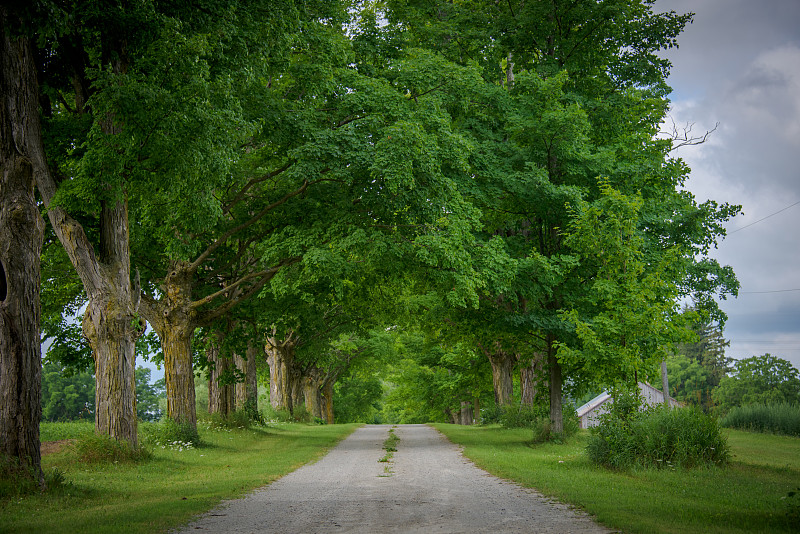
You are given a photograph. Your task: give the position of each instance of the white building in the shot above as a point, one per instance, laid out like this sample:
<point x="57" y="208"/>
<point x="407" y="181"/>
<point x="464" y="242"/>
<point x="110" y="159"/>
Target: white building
<point x="589" y="414"/>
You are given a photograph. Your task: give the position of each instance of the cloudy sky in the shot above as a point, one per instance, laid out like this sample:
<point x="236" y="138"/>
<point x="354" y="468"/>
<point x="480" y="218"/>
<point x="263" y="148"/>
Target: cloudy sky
<point x="738" y="65"/>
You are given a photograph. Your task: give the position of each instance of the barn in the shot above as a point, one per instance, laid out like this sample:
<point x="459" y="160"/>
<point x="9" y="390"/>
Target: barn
<point x="589" y="414"/>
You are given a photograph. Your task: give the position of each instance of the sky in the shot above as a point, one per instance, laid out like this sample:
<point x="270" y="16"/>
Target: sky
<point x="738" y="64"/>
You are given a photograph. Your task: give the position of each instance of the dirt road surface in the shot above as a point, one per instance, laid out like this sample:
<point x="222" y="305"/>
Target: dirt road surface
<point x="428" y="487"/>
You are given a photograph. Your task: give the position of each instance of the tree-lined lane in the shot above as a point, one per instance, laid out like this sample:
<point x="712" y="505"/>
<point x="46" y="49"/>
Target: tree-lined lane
<point x="428" y="487"/>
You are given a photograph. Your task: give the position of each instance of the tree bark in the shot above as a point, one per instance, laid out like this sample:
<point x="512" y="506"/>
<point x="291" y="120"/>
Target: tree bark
<point x="502" y="367"/>
<point x="247" y="391"/>
<point x="312" y="391"/>
<point x="21" y="233"/>
<point x="172" y="317"/>
<point x="220" y="393"/>
<point x="327" y="401"/>
<point x="556" y="409"/>
<point x="282" y="380"/>
<point x="466" y="413"/>
<point x="531" y="378"/>
<point x="476" y="410"/>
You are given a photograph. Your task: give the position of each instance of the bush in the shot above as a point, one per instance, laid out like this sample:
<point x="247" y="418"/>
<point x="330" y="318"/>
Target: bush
<point x="301" y="415"/>
<point x="543" y="428"/>
<point x="782" y="418"/>
<point x="169" y="433"/>
<point x="656" y="437"/>
<point x="490" y="414"/>
<point x="522" y="416"/>
<point x="101" y="449"/>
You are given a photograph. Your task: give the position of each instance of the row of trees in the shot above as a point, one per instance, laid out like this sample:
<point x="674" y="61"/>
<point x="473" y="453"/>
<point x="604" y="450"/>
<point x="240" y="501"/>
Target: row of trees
<point x="301" y="176"/>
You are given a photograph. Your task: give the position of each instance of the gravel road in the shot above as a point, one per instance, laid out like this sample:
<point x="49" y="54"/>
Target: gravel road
<point x="428" y="487"/>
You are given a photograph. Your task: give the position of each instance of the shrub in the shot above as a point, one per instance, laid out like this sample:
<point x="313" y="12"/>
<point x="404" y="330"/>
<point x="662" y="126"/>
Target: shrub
<point x="781" y="418"/>
<point x="656" y="437"/>
<point x="521" y="416"/>
<point x="301" y="415"/>
<point x="543" y="428"/>
<point x="490" y="414"/>
<point x="169" y="433"/>
<point x="101" y="449"/>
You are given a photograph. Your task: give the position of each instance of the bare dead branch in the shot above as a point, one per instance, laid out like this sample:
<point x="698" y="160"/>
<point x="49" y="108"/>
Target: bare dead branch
<point x="682" y="135"/>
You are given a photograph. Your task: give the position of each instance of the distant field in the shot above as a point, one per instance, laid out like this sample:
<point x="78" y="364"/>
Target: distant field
<point x="167" y="490"/>
<point x="750" y="495"/>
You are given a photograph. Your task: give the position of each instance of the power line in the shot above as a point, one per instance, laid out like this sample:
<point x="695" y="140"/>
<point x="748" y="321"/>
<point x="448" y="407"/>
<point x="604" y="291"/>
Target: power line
<point x="764" y="218"/>
<point x="762" y="292"/>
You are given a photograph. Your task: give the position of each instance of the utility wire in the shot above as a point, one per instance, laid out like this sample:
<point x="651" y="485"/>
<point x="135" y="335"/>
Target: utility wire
<point x="773" y="291"/>
<point x="764" y="218"/>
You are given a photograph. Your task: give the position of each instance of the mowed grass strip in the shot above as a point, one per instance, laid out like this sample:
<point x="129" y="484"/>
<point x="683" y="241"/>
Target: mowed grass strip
<point x="169" y="489"/>
<point x="747" y="496"/>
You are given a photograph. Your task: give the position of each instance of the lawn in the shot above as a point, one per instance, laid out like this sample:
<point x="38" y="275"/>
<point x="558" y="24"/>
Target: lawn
<point x="168" y="489"/>
<point x="747" y="496"/>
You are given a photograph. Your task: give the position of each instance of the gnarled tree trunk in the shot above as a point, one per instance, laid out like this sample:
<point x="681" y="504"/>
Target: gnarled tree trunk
<point x="111" y="322"/>
<point x="282" y="375"/>
<point x="172" y="317"/>
<point x="21" y="232"/>
<point x="312" y="392"/>
<point x="502" y="366"/>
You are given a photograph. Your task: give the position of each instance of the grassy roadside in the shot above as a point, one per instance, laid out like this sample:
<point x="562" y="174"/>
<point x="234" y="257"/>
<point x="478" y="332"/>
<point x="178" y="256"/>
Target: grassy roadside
<point x="744" y="497"/>
<point x="169" y="489"/>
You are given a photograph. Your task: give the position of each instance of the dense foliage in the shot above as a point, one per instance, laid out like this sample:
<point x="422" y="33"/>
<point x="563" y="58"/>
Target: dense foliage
<point x="629" y="436"/>
<point x="763" y="379"/>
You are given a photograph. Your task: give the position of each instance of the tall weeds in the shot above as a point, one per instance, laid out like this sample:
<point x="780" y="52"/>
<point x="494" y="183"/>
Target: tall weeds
<point x="782" y="418"/>
<point x="657" y="437"/>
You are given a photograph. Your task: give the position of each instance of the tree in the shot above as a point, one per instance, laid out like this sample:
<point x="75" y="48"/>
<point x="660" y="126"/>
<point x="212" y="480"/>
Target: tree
<point x="66" y="395"/>
<point x="21" y="234"/>
<point x="148" y="395"/>
<point x="706" y="350"/>
<point x="572" y="98"/>
<point x="763" y="379"/>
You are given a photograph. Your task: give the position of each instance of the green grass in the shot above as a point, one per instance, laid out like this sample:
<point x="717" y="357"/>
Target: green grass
<point x="746" y="496"/>
<point x="59" y="431"/>
<point x="169" y="489"/>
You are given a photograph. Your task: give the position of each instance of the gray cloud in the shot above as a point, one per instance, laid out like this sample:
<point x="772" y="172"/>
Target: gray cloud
<point x="739" y="65"/>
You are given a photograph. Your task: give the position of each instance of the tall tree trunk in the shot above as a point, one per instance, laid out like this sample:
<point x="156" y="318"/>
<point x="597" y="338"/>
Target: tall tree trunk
<point x="220" y="391"/>
<point x="502" y="367"/>
<point x="327" y="401"/>
<point x="556" y="410"/>
<point x="531" y="378"/>
<point x="312" y="391"/>
<point x="21" y="233"/>
<point x="476" y="410"/>
<point x="111" y="322"/>
<point x="247" y="391"/>
<point x="280" y="358"/>
<point x="466" y="413"/>
<point x="173" y="318"/>
<point x="297" y="393"/>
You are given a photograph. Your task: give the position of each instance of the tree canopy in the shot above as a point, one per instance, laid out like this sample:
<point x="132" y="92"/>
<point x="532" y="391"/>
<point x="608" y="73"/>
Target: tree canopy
<point x="300" y="182"/>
